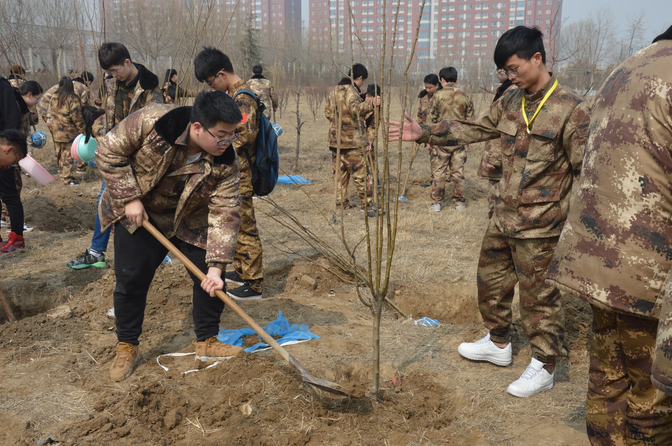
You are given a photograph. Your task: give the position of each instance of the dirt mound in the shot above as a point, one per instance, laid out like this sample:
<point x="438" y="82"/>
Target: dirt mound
<point x="252" y="400"/>
<point x="447" y="302"/>
<point x="48" y="215"/>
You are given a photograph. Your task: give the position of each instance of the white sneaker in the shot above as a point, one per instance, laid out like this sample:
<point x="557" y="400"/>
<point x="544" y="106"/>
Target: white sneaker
<point x="534" y="379"/>
<point x="436" y="207"/>
<point x="485" y="350"/>
<point x="27" y="228"/>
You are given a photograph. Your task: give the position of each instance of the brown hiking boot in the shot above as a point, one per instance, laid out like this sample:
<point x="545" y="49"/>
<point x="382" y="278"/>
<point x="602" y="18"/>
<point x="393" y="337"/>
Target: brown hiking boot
<point x="213" y="350"/>
<point x="127" y="357"/>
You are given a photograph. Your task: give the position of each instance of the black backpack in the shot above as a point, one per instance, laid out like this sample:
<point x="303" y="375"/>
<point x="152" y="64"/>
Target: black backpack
<point x="265" y="169"/>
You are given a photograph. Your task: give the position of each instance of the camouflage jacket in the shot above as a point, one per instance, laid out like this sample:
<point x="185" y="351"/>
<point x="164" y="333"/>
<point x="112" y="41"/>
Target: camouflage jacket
<point x="67" y="121"/>
<point x="146" y="92"/>
<point x="423" y="107"/>
<point x="263" y="88"/>
<point x="538" y="167"/>
<point x="616" y="248"/>
<point x="81" y="90"/>
<point x="449" y="103"/>
<point x="137" y="159"/>
<point x="249" y="127"/>
<point x="344" y="102"/>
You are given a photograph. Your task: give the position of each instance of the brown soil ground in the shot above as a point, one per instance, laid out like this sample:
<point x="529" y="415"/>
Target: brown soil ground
<point x="54" y="360"/>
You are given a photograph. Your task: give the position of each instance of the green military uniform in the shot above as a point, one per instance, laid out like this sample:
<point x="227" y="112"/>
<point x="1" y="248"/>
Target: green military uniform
<point x="448" y="103"/>
<point x="264" y="90"/>
<point x="346" y="107"/>
<point x="614" y="251"/>
<point x="538" y="169"/>
<point x="248" y="259"/>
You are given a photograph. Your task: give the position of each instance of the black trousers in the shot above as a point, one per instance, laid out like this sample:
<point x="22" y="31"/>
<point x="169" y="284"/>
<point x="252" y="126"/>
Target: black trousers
<point x="10" y="196"/>
<point x="137" y="256"/>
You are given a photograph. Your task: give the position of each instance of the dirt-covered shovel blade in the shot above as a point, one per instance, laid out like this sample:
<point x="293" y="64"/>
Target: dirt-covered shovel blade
<point x="296" y="365"/>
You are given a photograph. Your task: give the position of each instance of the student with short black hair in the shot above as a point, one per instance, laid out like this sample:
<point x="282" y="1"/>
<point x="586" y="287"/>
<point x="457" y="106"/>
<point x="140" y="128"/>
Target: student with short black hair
<point x="215" y="69"/>
<point x="264" y="90"/>
<point x="450" y="102"/>
<point x="432" y="85"/>
<point x="542" y="127"/>
<point x="346" y="111"/>
<point x="190" y="193"/>
<point x="128" y="88"/>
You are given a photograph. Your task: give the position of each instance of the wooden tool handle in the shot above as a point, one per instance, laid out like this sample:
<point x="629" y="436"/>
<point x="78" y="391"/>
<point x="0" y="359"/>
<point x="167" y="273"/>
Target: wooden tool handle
<point x="221" y="294"/>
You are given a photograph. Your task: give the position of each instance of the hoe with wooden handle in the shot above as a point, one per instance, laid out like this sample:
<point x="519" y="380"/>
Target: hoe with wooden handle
<point x="296" y="365"/>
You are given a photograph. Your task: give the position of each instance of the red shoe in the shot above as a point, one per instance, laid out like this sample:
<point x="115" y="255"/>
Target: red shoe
<point x="14" y="242"/>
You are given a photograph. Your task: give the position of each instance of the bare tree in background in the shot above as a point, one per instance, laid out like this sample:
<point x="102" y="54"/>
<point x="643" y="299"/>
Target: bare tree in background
<point x="634" y="38"/>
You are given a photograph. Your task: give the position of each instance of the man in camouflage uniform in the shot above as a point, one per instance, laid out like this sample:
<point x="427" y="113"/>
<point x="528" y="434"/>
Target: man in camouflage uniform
<point x="614" y="251"/>
<point x="215" y="68"/>
<point x="432" y="85"/>
<point x="490" y="167"/>
<point x="128" y="88"/>
<point x="448" y="103"/>
<point x="345" y="111"/>
<point x="264" y="90"/>
<point x="538" y="170"/>
<point x="172" y="166"/>
<point x="372" y="123"/>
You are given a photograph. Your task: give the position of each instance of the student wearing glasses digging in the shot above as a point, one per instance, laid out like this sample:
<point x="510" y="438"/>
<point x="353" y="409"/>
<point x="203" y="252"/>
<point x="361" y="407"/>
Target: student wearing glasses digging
<point x="175" y="167"/>
<point x="542" y="128"/>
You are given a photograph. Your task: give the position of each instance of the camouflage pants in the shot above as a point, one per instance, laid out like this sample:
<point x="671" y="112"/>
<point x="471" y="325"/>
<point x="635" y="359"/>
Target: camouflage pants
<point x="445" y="161"/>
<point x="65" y="161"/>
<point x="19" y="185"/>
<point x="623" y="407"/>
<point x="247" y="260"/>
<point x="503" y="262"/>
<point x="493" y="190"/>
<point x="352" y="165"/>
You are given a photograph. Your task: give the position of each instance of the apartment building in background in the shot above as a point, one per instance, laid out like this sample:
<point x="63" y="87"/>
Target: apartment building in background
<point x="449" y="29"/>
<point x="273" y="18"/>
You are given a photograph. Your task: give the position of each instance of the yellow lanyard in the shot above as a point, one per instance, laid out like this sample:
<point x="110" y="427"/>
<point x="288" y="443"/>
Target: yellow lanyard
<point x="527" y="123"/>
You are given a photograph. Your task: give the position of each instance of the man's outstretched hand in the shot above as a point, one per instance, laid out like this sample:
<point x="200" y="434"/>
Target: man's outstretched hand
<point x="412" y="130"/>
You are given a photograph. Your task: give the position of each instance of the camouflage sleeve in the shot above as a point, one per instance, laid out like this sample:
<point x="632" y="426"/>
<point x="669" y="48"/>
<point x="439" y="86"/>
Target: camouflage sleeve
<point x="422" y="113"/>
<point x="274" y="98"/>
<point x="113" y="157"/>
<point x="356" y="106"/>
<point x="224" y="219"/>
<point x="574" y="136"/>
<point x="461" y="132"/>
<point x="432" y="114"/>
<point x="154" y="96"/>
<point x="77" y="116"/>
<point x="371" y="130"/>
<point x="468" y="108"/>
<point x="43" y="106"/>
<point x="249" y="127"/>
<point x="329" y="108"/>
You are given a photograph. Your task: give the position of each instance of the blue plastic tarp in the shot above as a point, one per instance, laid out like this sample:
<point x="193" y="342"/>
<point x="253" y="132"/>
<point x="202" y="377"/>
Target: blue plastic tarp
<point x="293" y="179"/>
<point x="288" y="334"/>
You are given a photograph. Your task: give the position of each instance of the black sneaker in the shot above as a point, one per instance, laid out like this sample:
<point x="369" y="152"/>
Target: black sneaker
<point x="244" y="292"/>
<point x="87" y="259"/>
<point x="233" y="277"/>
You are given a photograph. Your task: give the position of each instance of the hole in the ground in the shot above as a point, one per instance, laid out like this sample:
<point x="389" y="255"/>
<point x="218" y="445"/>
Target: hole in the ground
<point x="31" y="294"/>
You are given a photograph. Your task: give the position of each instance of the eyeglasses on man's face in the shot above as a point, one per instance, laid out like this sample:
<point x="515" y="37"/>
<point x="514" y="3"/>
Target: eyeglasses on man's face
<point x="511" y="72"/>
<point x="223" y="142"/>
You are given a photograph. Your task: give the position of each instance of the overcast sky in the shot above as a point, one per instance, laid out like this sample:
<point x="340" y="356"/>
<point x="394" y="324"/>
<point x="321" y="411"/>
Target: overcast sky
<point x="658" y="12"/>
